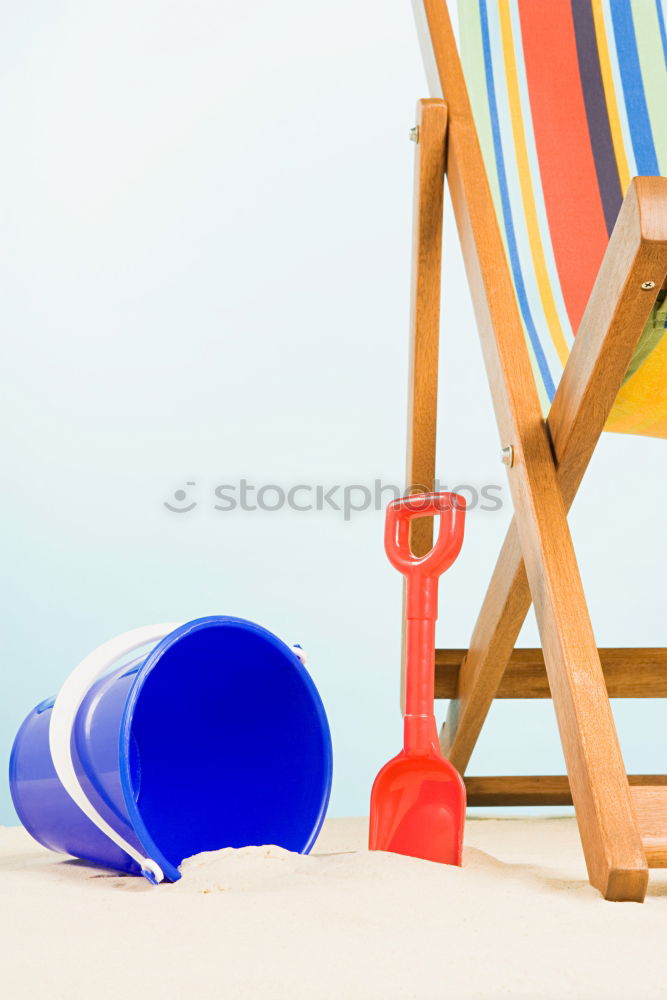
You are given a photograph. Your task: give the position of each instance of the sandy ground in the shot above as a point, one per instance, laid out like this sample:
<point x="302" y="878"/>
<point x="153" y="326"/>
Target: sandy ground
<point x="518" y="920"/>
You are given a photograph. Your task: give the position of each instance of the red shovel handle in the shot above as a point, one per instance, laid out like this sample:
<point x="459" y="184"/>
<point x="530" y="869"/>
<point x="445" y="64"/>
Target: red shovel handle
<point x="422" y="573"/>
<point x="451" y="508"/>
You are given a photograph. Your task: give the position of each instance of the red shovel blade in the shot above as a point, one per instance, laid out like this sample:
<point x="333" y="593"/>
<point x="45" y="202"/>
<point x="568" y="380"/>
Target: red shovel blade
<point x="418" y="808"/>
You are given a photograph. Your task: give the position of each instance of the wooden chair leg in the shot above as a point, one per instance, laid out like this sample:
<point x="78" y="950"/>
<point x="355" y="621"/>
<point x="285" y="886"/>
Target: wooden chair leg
<point x="601" y="795"/>
<point x="618" y="309"/>
<point x="430" y="135"/>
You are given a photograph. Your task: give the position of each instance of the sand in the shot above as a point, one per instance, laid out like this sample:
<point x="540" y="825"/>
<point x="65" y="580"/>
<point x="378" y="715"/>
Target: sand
<point x="518" y="920"/>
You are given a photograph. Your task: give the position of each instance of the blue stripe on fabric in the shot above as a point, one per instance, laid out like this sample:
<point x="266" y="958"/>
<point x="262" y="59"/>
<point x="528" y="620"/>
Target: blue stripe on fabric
<point x="633" y="89"/>
<point x="507" y="211"/>
<point x="661" y="22"/>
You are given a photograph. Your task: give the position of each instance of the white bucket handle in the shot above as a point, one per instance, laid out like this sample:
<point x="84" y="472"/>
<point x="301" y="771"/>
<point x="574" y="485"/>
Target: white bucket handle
<point x="63" y="715"/>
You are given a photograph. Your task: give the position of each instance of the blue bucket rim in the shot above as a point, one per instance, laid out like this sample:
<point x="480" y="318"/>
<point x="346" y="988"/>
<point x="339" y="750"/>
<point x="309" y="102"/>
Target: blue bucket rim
<point x="144" y="838"/>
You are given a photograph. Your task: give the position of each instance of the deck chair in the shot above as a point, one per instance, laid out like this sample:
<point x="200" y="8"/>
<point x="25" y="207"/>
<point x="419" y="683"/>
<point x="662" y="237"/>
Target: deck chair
<point x="551" y="129"/>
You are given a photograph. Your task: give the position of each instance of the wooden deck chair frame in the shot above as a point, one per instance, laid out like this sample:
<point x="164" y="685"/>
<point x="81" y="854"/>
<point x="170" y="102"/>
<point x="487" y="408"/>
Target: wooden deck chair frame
<point x="622" y="820"/>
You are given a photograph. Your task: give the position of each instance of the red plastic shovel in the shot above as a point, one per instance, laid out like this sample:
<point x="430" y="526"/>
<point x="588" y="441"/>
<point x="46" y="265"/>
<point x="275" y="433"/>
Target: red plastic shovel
<point x="418" y="799"/>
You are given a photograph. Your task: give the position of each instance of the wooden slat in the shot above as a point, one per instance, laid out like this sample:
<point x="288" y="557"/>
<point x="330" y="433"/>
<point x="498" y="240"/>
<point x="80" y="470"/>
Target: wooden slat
<point x="655" y="849"/>
<point x="648" y="792"/>
<point x="429" y="187"/>
<point x="429" y="191"/>
<point x="607" y="823"/>
<point x="551" y="790"/>
<point x="651" y="807"/>
<point x="628" y="673"/>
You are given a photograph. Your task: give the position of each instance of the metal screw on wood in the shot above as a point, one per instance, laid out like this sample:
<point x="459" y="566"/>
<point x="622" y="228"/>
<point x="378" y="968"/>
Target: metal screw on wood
<point x="507" y="456"/>
<point x="648" y="285"/>
<point x="414" y="134"/>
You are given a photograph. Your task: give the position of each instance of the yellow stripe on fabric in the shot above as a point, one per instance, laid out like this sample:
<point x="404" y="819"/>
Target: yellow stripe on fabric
<point x="525" y="181"/>
<point x="641" y="405"/>
<point x="610" y="95"/>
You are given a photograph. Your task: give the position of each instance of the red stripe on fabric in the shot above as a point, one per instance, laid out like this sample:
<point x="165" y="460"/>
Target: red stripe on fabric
<point x="567" y="168"/>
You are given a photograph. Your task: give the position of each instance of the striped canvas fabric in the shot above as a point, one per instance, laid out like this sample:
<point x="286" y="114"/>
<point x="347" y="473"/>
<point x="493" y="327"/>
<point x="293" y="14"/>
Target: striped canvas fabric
<point x="570" y="102"/>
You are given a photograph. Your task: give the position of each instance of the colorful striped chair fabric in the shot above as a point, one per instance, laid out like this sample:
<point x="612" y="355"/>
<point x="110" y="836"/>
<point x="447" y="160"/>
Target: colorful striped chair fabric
<point x="570" y="102"/>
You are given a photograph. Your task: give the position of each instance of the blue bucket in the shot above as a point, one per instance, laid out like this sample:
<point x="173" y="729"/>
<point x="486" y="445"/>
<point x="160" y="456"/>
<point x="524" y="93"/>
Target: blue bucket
<point x="217" y="738"/>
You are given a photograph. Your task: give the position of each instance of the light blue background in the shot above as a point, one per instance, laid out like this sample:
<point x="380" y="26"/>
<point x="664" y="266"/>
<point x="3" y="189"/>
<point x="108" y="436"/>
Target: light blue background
<point x="205" y="213"/>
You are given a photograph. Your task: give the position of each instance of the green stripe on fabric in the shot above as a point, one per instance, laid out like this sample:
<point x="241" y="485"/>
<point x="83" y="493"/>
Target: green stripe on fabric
<point x="651" y="336"/>
<point x="654" y="73"/>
